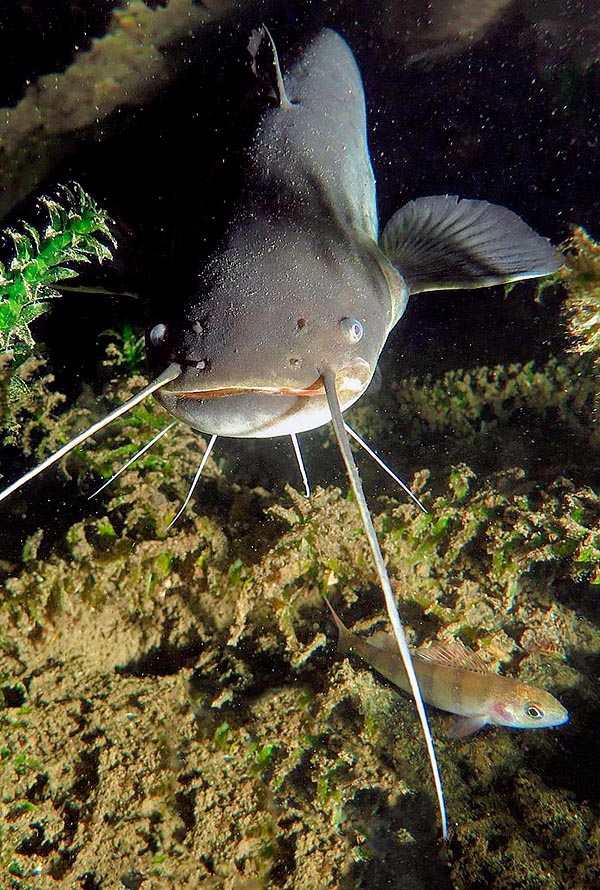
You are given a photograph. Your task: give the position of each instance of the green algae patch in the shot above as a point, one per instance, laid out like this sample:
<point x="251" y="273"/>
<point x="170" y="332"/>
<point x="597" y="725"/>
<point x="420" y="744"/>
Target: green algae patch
<point x="28" y="401"/>
<point x="483" y="401"/>
<point x="546" y="840"/>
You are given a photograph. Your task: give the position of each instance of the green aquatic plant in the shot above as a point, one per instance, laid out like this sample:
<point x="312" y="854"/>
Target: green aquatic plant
<point x="74" y="234"/>
<point x="77" y="232"/>
<point x="126" y="350"/>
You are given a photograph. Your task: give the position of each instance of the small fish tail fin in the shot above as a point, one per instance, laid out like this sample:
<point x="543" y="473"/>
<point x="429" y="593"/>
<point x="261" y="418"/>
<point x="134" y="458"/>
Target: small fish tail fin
<point x="443" y="242"/>
<point x="344" y="635"/>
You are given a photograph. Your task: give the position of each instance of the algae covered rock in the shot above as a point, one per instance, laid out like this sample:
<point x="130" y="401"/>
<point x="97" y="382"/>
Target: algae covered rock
<point x="581" y="277"/>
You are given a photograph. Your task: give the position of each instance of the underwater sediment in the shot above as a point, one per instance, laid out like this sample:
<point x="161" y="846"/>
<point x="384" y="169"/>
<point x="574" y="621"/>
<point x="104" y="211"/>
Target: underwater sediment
<point x="197" y="673"/>
<point x="175" y="713"/>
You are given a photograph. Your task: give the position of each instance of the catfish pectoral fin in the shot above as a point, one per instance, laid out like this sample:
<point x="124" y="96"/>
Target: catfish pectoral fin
<point x="443" y="242"/>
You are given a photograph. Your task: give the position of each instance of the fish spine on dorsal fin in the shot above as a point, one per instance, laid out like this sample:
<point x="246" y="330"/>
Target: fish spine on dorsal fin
<point x="383" y="641"/>
<point x="453" y="654"/>
<point x="265" y="65"/>
<point x="448" y="242"/>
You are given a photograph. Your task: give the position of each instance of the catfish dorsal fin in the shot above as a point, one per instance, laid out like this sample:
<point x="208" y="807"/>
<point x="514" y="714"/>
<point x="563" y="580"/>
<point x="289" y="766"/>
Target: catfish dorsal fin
<point x="265" y="64"/>
<point x="453" y="654"/>
<point x="448" y="242"/>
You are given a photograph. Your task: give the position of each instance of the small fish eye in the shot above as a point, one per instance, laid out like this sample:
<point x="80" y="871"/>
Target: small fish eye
<point x="533" y="712"/>
<point x="157" y="334"/>
<point x="352" y="329"/>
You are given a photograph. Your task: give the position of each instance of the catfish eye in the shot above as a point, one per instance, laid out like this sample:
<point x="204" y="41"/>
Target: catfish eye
<point x="352" y="329"/>
<point x="157" y="334"/>
<point x="533" y="712"/>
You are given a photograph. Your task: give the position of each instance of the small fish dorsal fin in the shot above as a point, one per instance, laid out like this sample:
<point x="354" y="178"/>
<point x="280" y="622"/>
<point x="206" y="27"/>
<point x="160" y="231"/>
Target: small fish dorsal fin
<point x="453" y="654"/>
<point x="265" y="64"/>
<point x="383" y="641"/>
<point x="443" y="242"/>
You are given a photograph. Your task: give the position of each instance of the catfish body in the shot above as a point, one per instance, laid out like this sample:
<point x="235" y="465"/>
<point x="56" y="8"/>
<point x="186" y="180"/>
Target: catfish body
<point x="301" y="279"/>
<point x="298" y="267"/>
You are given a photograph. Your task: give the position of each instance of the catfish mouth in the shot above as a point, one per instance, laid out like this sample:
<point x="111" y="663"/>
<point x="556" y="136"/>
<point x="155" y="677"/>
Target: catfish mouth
<point x="261" y="410"/>
<point x="316" y="389"/>
<point x="351" y="381"/>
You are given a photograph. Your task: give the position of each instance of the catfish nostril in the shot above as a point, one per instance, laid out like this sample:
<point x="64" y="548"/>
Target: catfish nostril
<point x="295" y="362"/>
<point x="301" y="323"/>
<point x="202" y="364"/>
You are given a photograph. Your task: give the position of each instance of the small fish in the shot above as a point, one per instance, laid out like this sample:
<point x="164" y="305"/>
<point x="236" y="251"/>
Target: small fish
<point x="453" y="678"/>
<point x="289" y="315"/>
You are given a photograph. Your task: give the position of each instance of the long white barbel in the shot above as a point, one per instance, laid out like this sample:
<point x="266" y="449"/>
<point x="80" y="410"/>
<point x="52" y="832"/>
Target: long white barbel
<point x="133" y="459"/>
<point x="300" y="461"/>
<point x="205" y="457"/>
<point x="170" y="373"/>
<point x="384" y="466"/>
<point x="328" y="377"/>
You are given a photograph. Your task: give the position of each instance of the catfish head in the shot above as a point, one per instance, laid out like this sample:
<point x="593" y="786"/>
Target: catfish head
<point x="275" y="307"/>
